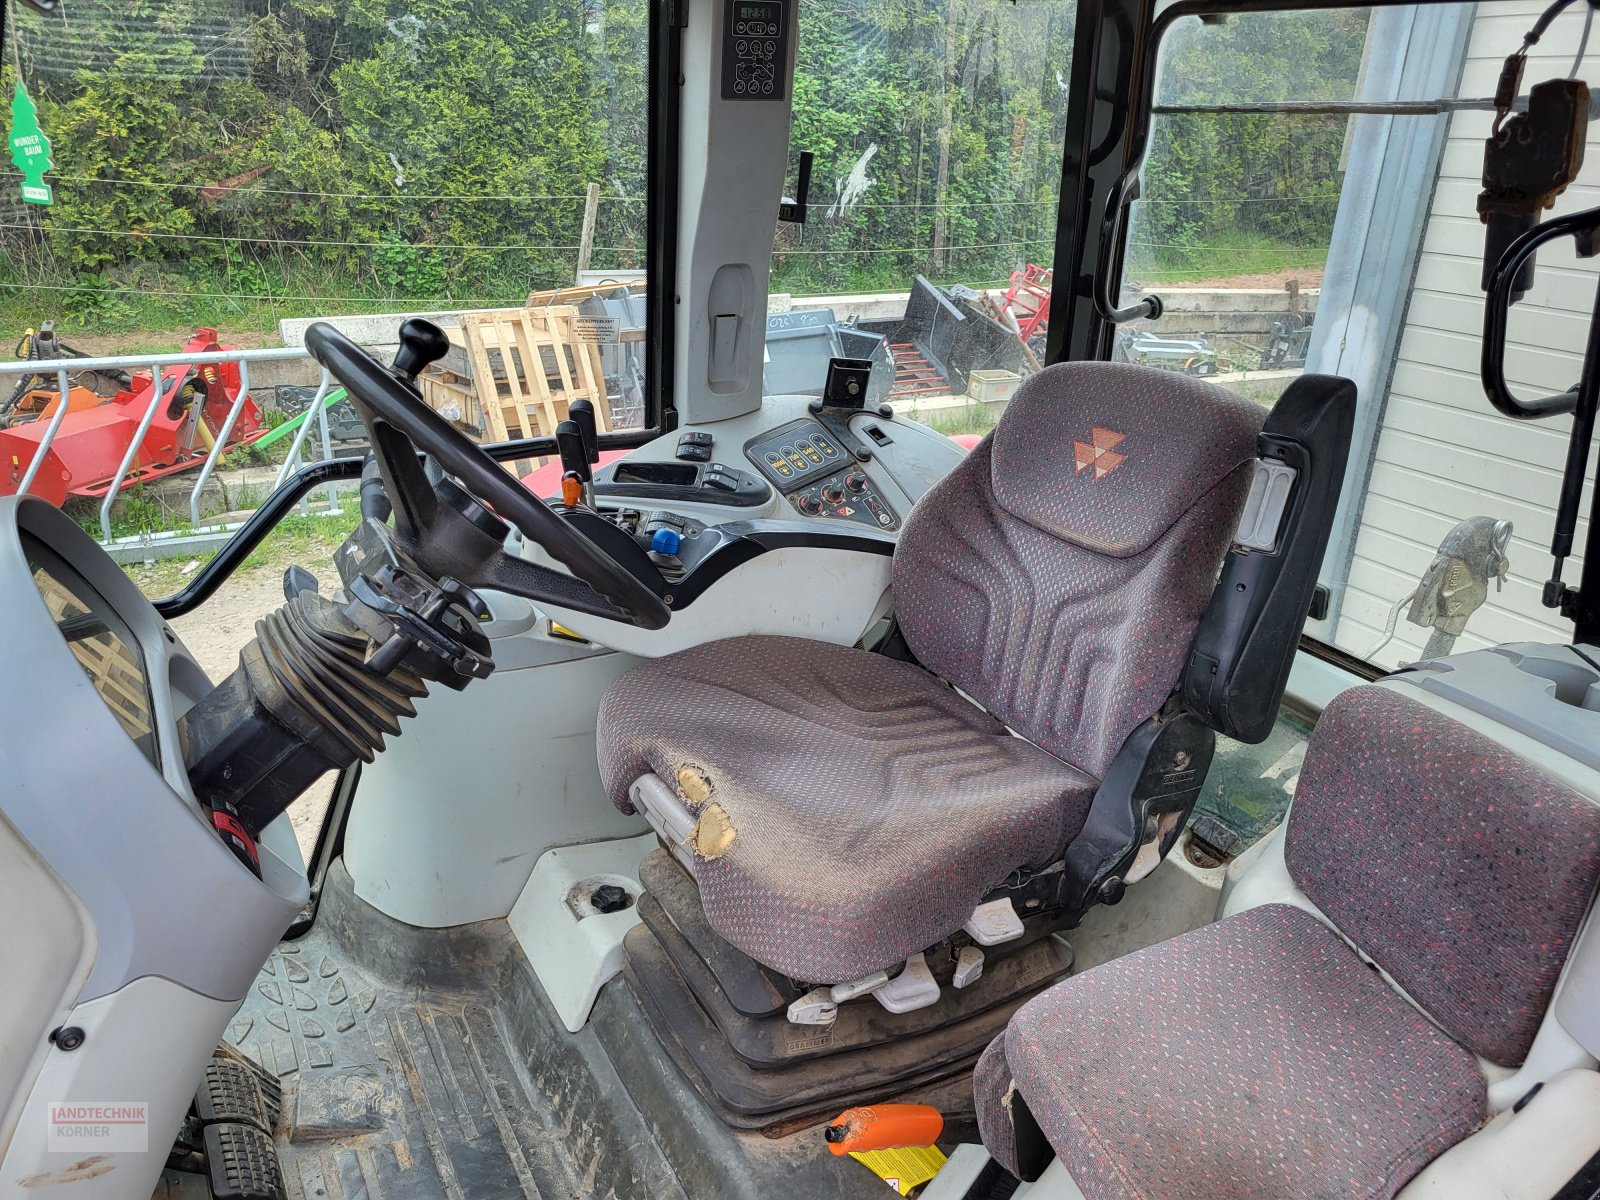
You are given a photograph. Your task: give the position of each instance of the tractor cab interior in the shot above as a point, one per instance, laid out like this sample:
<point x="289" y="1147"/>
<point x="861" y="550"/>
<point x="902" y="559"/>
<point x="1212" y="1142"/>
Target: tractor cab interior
<point x="777" y="782"/>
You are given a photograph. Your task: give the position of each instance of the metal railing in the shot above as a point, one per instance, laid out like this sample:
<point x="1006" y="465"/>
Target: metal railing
<point x="63" y="368"/>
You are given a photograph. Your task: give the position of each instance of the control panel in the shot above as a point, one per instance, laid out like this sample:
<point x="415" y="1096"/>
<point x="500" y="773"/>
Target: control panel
<point x="817" y="476"/>
<point x="754" y="50"/>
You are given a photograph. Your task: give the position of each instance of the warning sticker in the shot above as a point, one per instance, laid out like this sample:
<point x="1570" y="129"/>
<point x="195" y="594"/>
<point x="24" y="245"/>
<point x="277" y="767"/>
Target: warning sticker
<point x="603" y="331"/>
<point x="904" y="1168"/>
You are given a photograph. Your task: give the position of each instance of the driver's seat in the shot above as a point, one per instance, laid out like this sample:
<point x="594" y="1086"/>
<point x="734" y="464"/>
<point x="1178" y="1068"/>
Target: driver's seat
<point x="841" y="810"/>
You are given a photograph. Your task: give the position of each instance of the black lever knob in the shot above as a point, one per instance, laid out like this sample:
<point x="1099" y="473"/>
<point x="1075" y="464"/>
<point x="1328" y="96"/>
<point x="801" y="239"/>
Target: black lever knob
<point x="421" y="342"/>
<point x="581" y="413"/>
<point x="569" y="443"/>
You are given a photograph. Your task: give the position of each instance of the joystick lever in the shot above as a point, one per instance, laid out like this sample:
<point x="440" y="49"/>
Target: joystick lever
<point x="574" y="460"/>
<point x="421" y="344"/>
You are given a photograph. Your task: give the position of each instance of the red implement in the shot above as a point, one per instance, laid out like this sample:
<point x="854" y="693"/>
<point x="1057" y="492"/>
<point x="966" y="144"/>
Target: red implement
<point x="90" y="444"/>
<point x="1028" y="300"/>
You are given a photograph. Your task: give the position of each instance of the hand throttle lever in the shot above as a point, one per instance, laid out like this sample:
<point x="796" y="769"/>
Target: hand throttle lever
<point x="581" y="413"/>
<point x="575" y="473"/>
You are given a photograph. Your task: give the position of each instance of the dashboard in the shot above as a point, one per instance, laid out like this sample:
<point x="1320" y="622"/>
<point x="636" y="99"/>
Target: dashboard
<point x="779" y="521"/>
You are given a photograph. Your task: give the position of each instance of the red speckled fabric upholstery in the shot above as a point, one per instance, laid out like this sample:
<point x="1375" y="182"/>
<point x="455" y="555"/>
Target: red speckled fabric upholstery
<point x="991" y="1087"/>
<point x="1057" y="576"/>
<point x="1061" y="592"/>
<point x="1462" y="869"/>
<point x="1257" y="1057"/>
<point x="872" y="806"/>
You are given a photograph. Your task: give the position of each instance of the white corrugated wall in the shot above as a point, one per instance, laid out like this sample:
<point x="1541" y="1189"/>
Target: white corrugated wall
<point x="1442" y="453"/>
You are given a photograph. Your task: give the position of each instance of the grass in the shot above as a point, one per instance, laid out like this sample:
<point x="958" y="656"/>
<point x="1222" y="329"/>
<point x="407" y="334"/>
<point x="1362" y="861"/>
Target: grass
<point x="146" y="304"/>
<point x="299" y="539"/>
<point x="1225" y="255"/>
<point x="952" y="422"/>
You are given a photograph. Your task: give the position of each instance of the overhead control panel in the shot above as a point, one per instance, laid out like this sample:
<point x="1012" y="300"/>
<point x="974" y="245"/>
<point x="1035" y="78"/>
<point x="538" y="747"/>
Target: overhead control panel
<point x="754" y="50"/>
<point x="817" y="476"/>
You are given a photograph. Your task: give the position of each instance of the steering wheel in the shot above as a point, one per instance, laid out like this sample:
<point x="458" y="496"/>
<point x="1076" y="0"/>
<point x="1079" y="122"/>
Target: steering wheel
<point x="457" y="527"/>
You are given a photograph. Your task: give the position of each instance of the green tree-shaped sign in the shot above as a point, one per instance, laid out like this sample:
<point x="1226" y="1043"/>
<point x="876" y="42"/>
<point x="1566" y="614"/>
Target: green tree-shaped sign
<point x="30" y="149"/>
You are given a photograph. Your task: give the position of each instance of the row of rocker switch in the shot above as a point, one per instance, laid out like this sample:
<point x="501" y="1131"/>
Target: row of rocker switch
<point x="695" y="446"/>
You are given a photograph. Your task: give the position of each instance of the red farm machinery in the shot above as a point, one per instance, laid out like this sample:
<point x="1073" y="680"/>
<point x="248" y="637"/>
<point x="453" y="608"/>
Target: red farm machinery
<point x="83" y="451"/>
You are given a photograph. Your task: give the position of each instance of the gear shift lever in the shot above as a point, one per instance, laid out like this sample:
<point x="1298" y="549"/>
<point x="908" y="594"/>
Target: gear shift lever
<point x="421" y="343"/>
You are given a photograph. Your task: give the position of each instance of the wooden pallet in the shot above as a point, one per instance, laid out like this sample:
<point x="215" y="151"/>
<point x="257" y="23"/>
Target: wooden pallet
<point x="574" y="293"/>
<point x="522" y="369"/>
<point x="111" y="664"/>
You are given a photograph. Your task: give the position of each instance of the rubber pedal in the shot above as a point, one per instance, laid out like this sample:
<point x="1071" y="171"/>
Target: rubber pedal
<point x="243" y="1164"/>
<point x="230" y="1093"/>
<point x="271" y="1088"/>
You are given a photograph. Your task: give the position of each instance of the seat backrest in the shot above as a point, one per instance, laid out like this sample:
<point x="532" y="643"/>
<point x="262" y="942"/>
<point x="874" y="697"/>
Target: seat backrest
<point x="1457" y="866"/>
<point x="1058" y="574"/>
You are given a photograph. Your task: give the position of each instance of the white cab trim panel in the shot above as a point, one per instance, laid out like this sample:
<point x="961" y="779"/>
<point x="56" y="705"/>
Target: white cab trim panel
<point x="47" y="944"/>
<point x="449" y="820"/>
<point x="826" y="595"/>
<point x="1527" y="1155"/>
<point x="573" y="949"/>
<point x="145" y="1043"/>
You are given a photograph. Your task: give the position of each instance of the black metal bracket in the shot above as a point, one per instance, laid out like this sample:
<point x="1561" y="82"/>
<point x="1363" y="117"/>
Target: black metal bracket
<point x="793" y="212"/>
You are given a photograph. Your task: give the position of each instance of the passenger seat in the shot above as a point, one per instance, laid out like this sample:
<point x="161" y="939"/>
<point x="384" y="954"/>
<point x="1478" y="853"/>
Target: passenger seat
<point x="1335" y="1041"/>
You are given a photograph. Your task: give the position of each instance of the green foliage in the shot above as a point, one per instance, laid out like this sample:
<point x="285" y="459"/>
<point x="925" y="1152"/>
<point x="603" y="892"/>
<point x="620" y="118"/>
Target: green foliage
<point x="1243" y="193"/>
<point x="230" y="162"/>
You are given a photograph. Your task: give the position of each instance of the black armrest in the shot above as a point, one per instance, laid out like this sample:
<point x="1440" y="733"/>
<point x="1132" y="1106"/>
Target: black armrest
<point x="1248" y="637"/>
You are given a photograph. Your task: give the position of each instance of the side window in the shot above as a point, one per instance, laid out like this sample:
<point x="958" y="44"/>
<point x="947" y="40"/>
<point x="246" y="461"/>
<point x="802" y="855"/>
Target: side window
<point x="1240" y="192"/>
<point x="208" y="179"/>
<point x="102" y="644"/>
<point x="1310" y="204"/>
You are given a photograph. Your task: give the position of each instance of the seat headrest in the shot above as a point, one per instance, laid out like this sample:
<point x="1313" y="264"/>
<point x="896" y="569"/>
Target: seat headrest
<point x="1110" y="455"/>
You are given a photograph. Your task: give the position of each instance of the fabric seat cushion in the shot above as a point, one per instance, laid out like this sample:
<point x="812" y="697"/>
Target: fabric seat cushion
<point x="992" y="1093"/>
<point x="871" y="807"/>
<point x="1254" y="1057"/>
<point x="1058" y="574"/>
<point x="1460" y="867"/>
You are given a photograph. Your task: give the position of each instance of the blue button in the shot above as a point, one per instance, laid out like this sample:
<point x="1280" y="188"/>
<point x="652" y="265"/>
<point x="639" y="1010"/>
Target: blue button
<point x="665" y="541"/>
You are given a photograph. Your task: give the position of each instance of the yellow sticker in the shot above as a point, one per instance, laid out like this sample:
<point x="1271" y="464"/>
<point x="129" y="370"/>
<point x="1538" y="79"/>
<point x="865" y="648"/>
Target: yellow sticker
<point x="904" y="1168"/>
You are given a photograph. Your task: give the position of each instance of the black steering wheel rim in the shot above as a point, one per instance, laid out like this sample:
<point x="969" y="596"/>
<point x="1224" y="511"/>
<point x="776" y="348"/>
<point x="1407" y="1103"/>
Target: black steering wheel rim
<point x="400" y="424"/>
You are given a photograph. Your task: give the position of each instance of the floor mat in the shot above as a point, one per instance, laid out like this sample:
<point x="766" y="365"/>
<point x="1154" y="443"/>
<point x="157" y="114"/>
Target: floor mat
<point x="387" y="1096"/>
<point x="428" y="1063"/>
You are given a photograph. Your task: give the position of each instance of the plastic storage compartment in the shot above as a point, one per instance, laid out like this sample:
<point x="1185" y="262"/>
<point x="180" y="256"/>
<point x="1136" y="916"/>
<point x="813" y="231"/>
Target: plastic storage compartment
<point x="1549" y="693"/>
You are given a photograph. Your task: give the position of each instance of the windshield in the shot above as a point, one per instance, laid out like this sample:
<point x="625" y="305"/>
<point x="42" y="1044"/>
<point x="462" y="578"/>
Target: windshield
<point x="248" y="166"/>
<point x="1284" y="235"/>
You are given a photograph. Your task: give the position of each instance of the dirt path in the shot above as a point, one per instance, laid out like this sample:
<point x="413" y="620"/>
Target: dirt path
<point x="1308" y="277"/>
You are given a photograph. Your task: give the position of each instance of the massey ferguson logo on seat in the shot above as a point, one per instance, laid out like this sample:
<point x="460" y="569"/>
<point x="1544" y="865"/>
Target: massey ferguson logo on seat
<point x="1101" y="455"/>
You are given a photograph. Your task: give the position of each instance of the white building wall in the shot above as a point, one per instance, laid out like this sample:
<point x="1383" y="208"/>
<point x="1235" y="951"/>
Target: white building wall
<point x="1443" y="453"/>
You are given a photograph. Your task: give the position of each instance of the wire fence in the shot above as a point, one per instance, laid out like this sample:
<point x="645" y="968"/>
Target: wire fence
<point x="859" y="246"/>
